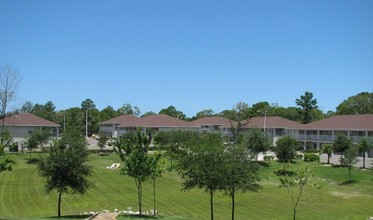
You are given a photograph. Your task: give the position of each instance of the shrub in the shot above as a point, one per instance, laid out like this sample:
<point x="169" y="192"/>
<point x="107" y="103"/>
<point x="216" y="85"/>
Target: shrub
<point x="299" y="156"/>
<point x="268" y="158"/>
<point x="310" y="157"/>
<point x="315" y="151"/>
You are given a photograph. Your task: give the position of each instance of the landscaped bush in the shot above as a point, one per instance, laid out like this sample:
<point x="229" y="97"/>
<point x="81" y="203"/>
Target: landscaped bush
<point x="299" y="156"/>
<point x="311" y="157"/>
<point x="268" y="158"/>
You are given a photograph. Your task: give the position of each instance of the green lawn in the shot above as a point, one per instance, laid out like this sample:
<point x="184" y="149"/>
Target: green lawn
<point x="22" y="195"/>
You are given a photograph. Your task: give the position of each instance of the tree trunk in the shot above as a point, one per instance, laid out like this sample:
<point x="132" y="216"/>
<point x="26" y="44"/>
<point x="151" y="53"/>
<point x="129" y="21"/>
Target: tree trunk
<point x="154" y="196"/>
<point x="232" y="195"/>
<point x="59" y="203"/>
<point x="364" y="160"/>
<point x="294" y="213"/>
<point x="349" y="172"/>
<point x="30" y="153"/>
<point x="341" y="159"/>
<point x="139" y="196"/>
<point x="328" y="159"/>
<point x="212" y="204"/>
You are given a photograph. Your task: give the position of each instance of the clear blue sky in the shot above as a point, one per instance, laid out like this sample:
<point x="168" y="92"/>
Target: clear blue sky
<point x="193" y="54"/>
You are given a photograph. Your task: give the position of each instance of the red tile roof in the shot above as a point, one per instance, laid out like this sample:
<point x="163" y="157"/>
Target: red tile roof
<point x="124" y="120"/>
<point x="271" y="122"/>
<point x="159" y="121"/>
<point x="216" y="120"/>
<point x="150" y="121"/>
<point x="343" y="122"/>
<point x="28" y="119"/>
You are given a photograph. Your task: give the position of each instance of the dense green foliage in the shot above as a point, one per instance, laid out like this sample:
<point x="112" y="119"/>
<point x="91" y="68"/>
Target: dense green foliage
<point x="342" y="143"/>
<point x="240" y="173"/>
<point x="361" y="103"/>
<point x="256" y="141"/>
<point x="285" y="149"/>
<point x="307" y="104"/>
<point x="311" y="157"/>
<point x="200" y="164"/>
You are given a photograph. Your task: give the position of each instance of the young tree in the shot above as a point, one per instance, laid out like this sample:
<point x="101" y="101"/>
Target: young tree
<point x="296" y="185"/>
<point x="5" y="164"/>
<point x="137" y="162"/>
<point x="172" y="140"/>
<point x="41" y="137"/>
<point x="65" y="167"/>
<point x="31" y="143"/>
<point x="285" y="149"/>
<point x="157" y="168"/>
<point x="240" y="173"/>
<point x="6" y="140"/>
<point x="306" y="104"/>
<point x="200" y="164"/>
<point x="102" y="141"/>
<point x="365" y="146"/>
<point x="328" y="149"/>
<point x="349" y="159"/>
<point x="341" y="144"/>
<point x="9" y="81"/>
<point x="256" y="141"/>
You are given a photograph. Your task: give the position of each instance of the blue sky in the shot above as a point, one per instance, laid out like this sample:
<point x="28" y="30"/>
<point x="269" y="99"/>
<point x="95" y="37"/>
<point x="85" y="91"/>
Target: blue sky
<point x="193" y="54"/>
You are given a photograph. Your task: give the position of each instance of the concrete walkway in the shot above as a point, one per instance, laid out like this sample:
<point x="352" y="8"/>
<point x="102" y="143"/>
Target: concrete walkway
<point x="105" y="216"/>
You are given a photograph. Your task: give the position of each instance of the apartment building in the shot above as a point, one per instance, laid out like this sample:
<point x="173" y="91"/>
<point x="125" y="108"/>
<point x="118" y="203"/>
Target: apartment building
<point x="22" y="125"/>
<point x="309" y="136"/>
<point x="123" y="124"/>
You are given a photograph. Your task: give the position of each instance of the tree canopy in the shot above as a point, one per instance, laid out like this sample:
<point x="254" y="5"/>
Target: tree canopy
<point x="285" y="149"/>
<point x="306" y="103"/>
<point x="65" y="167"/>
<point x="362" y="103"/>
<point x="173" y="112"/>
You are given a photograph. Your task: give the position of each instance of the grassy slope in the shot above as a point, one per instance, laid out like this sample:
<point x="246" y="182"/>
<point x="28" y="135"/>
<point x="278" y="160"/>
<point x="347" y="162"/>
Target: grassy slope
<point x="22" y="195"/>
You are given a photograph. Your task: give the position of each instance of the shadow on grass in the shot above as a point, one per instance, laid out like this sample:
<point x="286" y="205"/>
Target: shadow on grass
<point x="32" y="160"/>
<point x="283" y="172"/>
<point x="263" y="163"/>
<point x="348" y="182"/>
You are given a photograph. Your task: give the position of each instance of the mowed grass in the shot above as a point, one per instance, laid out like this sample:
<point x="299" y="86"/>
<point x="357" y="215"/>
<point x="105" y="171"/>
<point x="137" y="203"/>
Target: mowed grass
<point x="22" y="195"/>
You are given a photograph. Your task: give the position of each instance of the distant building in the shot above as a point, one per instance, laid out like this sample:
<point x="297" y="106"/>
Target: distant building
<point x="22" y="125"/>
<point x="315" y="134"/>
<point x="274" y="127"/>
<point x="215" y="124"/>
<point x="309" y="136"/>
<point x="121" y="125"/>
